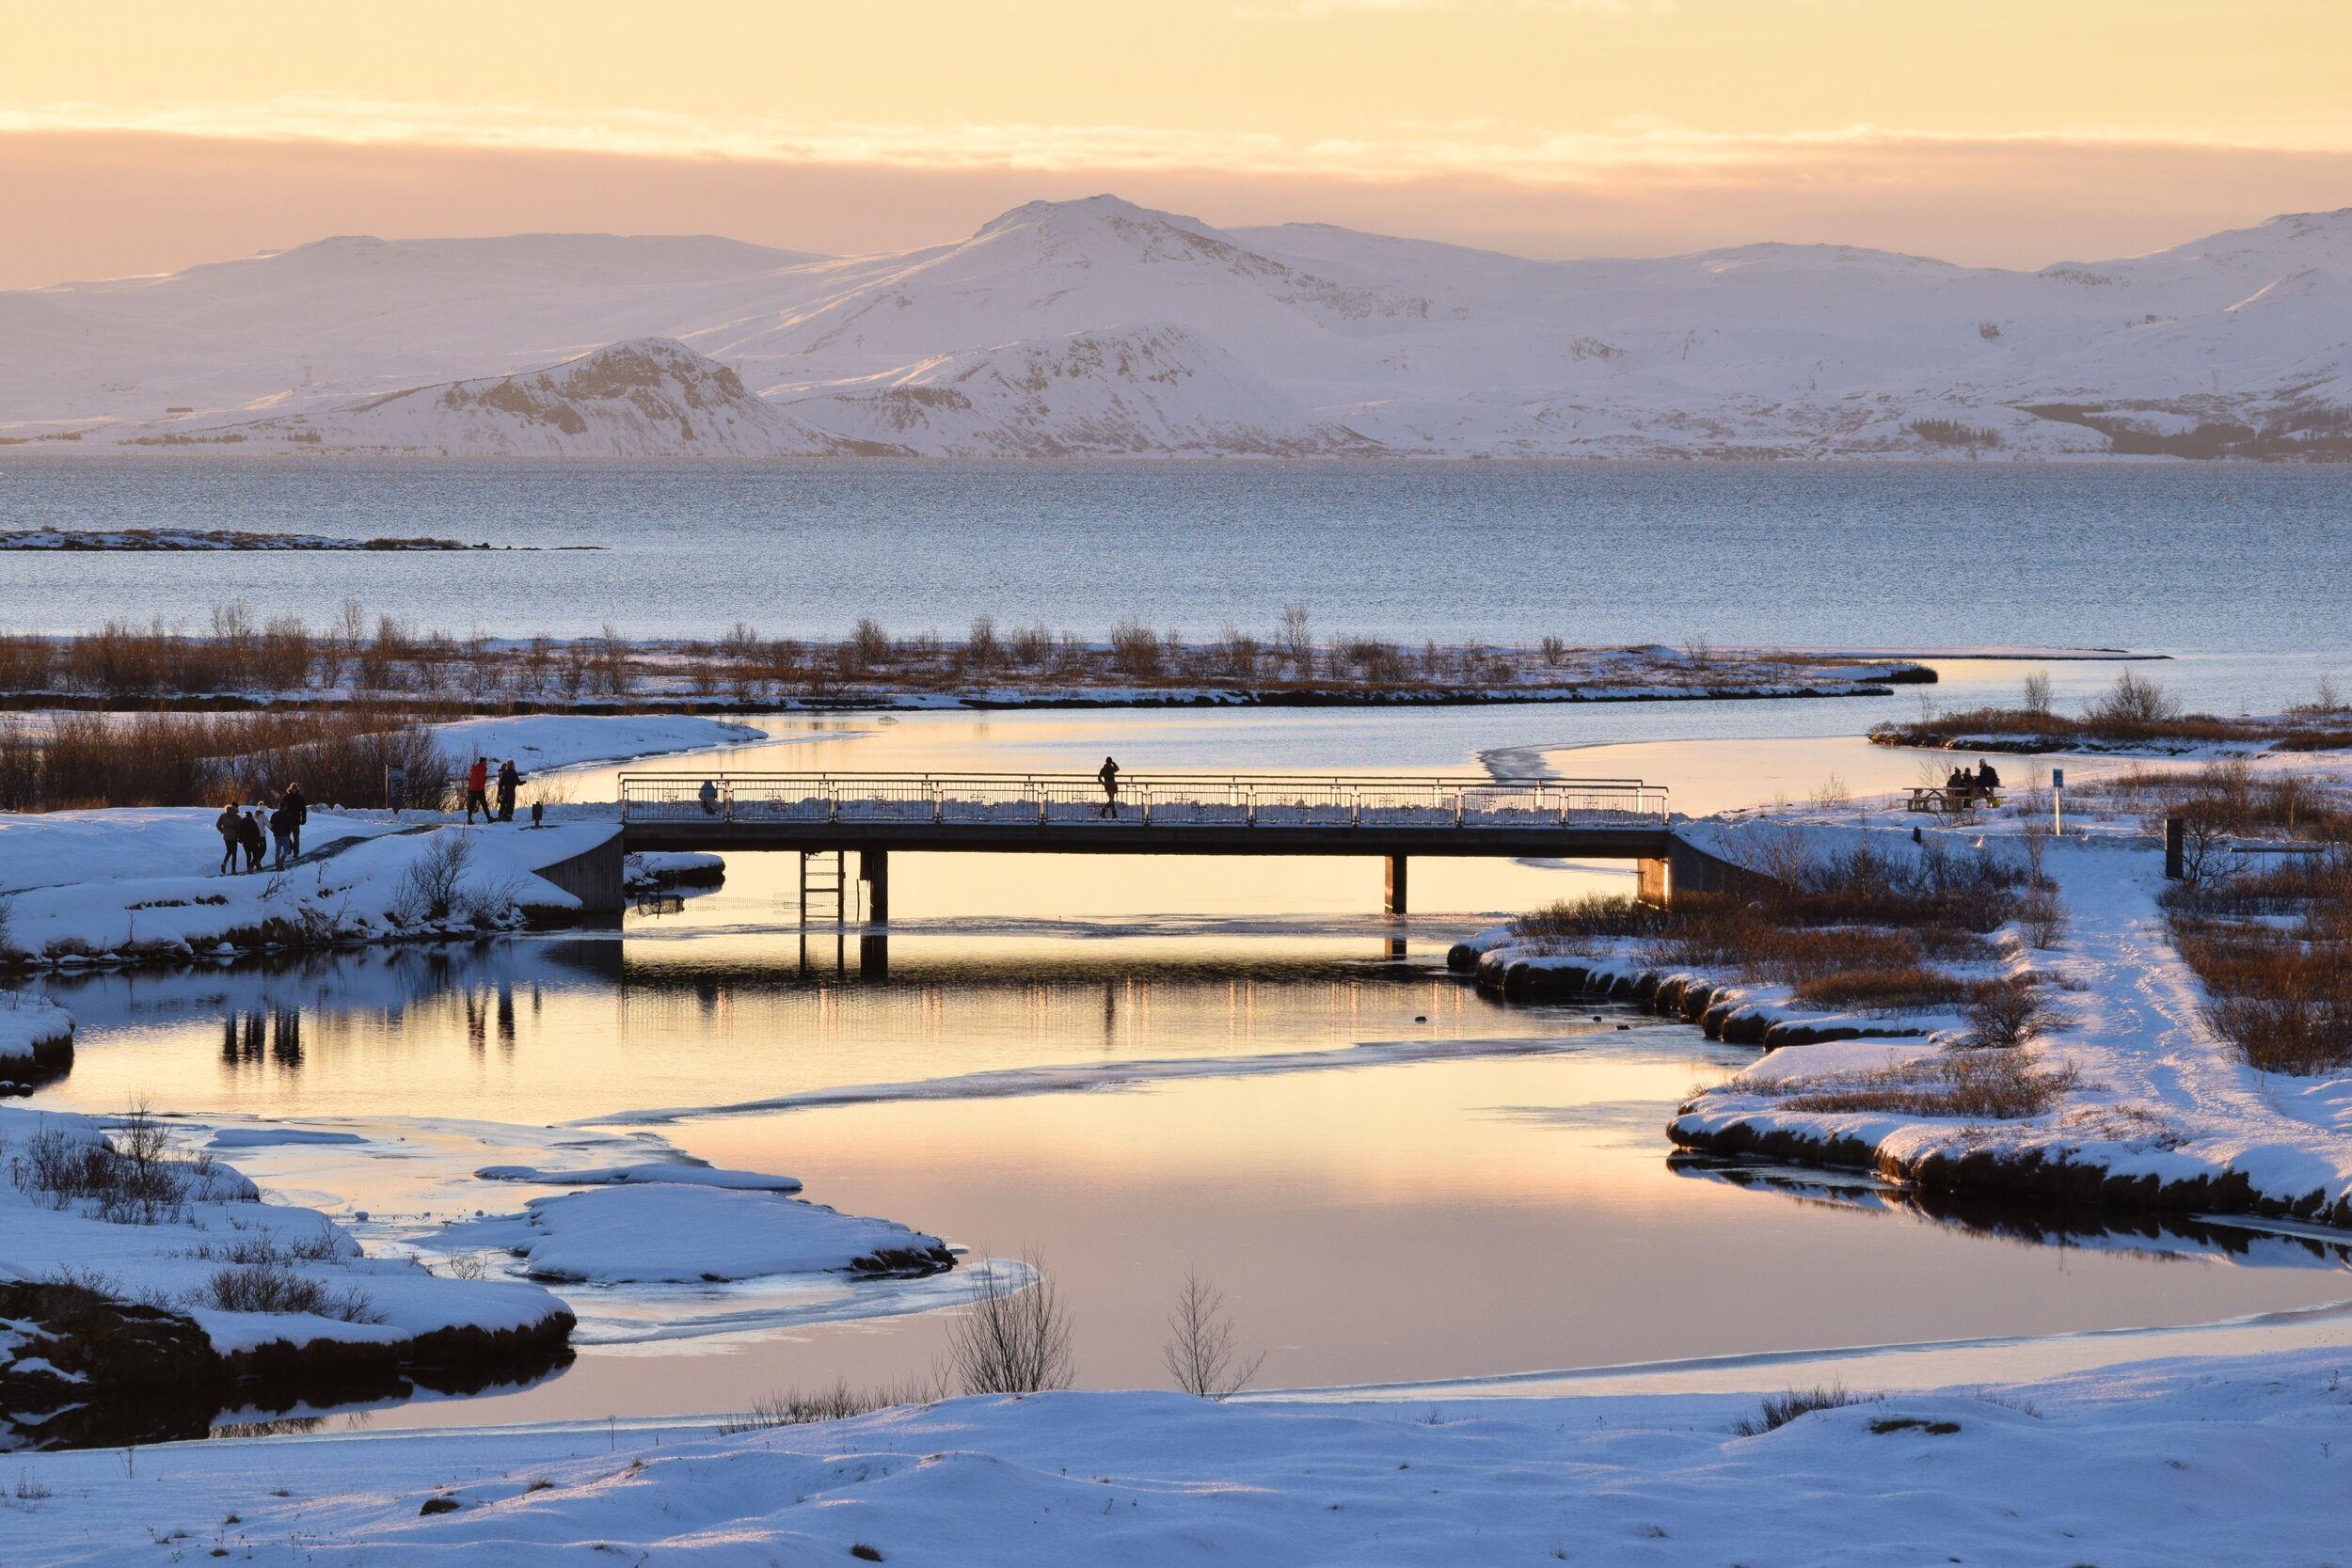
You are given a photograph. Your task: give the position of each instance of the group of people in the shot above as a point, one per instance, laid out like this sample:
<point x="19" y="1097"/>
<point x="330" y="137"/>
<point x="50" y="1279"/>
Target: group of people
<point x="242" y="832"/>
<point x="1972" y="784"/>
<point x="478" y="779"/>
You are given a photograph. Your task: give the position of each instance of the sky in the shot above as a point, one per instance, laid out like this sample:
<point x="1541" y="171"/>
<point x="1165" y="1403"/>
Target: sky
<point x="139" y="137"/>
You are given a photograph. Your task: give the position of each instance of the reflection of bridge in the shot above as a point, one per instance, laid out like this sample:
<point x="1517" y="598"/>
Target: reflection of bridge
<point x="1392" y="818"/>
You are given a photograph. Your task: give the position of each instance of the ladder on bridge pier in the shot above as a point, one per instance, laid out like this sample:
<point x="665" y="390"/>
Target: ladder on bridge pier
<point x="827" y="893"/>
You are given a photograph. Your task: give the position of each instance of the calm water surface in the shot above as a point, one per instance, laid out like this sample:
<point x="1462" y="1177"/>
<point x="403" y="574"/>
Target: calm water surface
<point x="2215" y="562"/>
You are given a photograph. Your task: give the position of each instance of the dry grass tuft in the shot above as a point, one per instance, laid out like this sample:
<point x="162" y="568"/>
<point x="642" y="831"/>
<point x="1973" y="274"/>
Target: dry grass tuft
<point x="1970" y="1085"/>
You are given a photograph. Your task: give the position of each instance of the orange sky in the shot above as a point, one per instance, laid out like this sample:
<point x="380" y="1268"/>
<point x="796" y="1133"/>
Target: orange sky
<point x="151" y="135"/>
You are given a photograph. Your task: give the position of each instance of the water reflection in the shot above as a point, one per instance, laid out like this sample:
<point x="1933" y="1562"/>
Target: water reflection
<point x="2147" y="1233"/>
<point x="1389" y="1175"/>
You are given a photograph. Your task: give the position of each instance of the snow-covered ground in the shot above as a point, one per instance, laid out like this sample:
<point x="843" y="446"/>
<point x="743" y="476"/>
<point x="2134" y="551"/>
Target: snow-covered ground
<point x="142" y="884"/>
<point x="28" y="1022"/>
<point x="2187" y="1462"/>
<point x="1099" y="327"/>
<point x="2162" y="1102"/>
<point x="539" y="741"/>
<point x="217" y="1223"/>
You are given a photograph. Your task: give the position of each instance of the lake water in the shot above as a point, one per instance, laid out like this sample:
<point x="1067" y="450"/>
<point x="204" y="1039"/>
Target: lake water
<point x="2243" y="572"/>
<point x="1395" y="1179"/>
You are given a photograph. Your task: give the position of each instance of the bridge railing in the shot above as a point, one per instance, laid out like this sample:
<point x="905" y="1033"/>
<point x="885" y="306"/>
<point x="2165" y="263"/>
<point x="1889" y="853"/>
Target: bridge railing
<point x="1154" y="800"/>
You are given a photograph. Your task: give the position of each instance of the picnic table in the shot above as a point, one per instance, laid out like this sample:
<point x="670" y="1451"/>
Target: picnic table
<point x="1946" y="798"/>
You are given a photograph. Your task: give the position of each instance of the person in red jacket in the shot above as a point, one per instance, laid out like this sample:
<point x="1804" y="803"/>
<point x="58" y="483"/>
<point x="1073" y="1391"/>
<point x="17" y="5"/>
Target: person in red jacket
<point x="477" y="788"/>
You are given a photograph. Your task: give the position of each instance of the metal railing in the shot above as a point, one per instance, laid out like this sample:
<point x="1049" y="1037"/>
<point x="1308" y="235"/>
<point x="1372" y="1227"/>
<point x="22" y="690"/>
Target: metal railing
<point x="1152" y="800"/>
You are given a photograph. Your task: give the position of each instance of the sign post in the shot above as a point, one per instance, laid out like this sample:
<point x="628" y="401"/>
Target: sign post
<point x="2057" y="801"/>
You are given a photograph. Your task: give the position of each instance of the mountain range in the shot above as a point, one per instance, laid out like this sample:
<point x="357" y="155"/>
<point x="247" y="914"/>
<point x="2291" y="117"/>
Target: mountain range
<point x="1098" y="327"/>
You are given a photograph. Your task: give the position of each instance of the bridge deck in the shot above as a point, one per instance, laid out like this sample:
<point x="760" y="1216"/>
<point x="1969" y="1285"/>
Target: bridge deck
<point x="1159" y="814"/>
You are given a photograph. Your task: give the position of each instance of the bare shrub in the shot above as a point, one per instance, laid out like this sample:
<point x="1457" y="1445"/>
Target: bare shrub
<point x="132" y="1179"/>
<point x="1135" y="650"/>
<point x="1592" y="916"/>
<point x="429" y="888"/>
<point x="275" y="1287"/>
<point x="2043" y="916"/>
<point x="2004" y="1014"/>
<point x="1294" y="638"/>
<point x="799" y="1407"/>
<point x="2132" y="707"/>
<point x="1011" y="1338"/>
<point x="1200" y="1352"/>
<point x="2037" y="696"/>
<point x="1555" y="652"/>
<point x="1976" y="1085"/>
<point x="1908" y="988"/>
<point x="1778" y="1410"/>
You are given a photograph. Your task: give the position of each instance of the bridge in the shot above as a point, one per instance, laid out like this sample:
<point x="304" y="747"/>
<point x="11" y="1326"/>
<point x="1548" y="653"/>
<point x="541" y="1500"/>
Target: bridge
<point x="1393" y="819"/>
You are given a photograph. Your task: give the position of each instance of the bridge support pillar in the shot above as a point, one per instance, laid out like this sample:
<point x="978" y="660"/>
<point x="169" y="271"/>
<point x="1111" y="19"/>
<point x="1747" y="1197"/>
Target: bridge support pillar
<point x="873" y="869"/>
<point x="873" y="957"/>
<point x="1655" y="884"/>
<point x="1394" y="901"/>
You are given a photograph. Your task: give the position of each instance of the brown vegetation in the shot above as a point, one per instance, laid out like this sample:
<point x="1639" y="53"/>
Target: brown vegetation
<point x="2004" y="1086"/>
<point x="2135" y="711"/>
<point x="68" y="761"/>
<point x="237" y="659"/>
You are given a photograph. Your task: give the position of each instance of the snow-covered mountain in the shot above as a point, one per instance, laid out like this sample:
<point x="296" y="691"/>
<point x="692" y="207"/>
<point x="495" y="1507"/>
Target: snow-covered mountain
<point x="1096" y="327"/>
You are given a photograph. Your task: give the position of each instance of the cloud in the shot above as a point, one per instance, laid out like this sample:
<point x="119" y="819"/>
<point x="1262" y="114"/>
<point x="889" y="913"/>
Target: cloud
<point x="1409" y="150"/>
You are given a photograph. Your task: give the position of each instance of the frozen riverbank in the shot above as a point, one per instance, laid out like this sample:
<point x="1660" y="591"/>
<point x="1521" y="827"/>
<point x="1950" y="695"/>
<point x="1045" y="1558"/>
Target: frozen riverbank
<point x="2186" y="1462"/>
<point x="2127" y="1094"/>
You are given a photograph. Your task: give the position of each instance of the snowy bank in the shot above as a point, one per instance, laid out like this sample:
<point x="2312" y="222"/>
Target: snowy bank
<point x="711" y="1225"/>
<point x="2189" y="1462"/>
<point x="36" y="1039"/>
<point x="144" y="1287"/>
<point x="133" y="885"/>
<point x="2161" y="1110"/>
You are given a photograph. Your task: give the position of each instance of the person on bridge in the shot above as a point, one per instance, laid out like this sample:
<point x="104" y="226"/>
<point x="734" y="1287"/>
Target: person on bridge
<point x="1109" y="775"/>
<point x="708" y="796"/>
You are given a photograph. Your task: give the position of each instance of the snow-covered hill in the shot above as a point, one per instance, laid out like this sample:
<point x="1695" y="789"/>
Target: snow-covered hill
<point x="1096" y="327"/>
<point x="645" y="396"/>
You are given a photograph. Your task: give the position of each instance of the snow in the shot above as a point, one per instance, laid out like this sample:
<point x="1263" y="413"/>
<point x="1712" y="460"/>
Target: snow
<point x="653" y="1231"/>
<point x="27" y="1022"/>
<point x="137" y="884"/>
<point x="541" y="742"/>
<point x="2188" y="1462"/>
<point x="681" y="1172"/>
<point x="172" y="1260"/>
<point x="1099" y="327"/>
<point x="2160" y="1095"/>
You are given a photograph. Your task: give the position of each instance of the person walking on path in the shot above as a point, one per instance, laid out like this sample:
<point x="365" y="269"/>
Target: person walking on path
<point x="509" y="778"/>
<point x="280" y="834"/>
<point x="477" y="786"/>
<point x="298" y="812"/>
<point x="1108" y="773"/>
<point x="231" y="838"/>
<point x="249" y="835"/>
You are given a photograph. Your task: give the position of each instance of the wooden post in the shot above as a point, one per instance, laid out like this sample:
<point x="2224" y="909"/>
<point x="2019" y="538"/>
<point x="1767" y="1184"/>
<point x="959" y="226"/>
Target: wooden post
<point x="1394" y="901"/>
<point x="2174" y="837"/>
<point x="873" y="869"/>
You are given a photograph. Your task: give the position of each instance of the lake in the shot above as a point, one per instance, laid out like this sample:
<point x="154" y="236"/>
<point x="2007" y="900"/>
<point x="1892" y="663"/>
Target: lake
<point x="2243" y="573"/>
